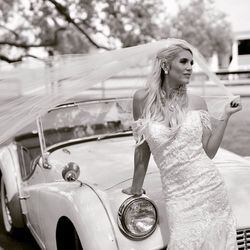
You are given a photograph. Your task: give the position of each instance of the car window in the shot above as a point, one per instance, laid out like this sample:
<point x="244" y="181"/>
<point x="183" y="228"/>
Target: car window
<point x="82" y="120"/>
<point x="26" y="162"/>
<point x="28" y="148"/>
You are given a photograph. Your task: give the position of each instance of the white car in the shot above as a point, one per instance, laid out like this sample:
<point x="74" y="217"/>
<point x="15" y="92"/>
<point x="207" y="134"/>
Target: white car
<point x="62" y="178"/>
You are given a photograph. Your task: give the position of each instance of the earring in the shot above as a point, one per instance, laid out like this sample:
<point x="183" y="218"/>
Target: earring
<point x="166" y="70"/>
<point x="165" y="67"/>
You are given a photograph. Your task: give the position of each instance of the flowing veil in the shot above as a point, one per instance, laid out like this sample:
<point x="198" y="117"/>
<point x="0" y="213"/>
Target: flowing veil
<point x="36" y="90"/>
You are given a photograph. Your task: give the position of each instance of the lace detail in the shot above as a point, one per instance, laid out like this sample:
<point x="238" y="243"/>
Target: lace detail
<point x="205" y="119"/>
<point x="213" y="235"/>
<point x="197" y="207"/>
<point x="137" y="128"/>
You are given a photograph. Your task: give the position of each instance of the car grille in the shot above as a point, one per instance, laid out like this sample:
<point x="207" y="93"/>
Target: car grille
<point x="243" y="239"/>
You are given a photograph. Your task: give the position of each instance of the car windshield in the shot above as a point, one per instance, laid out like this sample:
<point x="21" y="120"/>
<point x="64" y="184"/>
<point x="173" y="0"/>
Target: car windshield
<point x="79" y="120"/>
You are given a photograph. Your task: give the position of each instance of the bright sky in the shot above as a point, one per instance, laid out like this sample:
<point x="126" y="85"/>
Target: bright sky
<point x="238" y="11"/>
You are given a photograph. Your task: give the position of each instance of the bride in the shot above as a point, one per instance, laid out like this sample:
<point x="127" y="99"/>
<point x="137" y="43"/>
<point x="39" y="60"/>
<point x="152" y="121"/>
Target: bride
<point x="175" y="127"/>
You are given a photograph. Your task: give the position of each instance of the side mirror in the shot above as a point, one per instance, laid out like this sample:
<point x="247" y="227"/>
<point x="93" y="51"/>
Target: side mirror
<point x="71" y="172"/>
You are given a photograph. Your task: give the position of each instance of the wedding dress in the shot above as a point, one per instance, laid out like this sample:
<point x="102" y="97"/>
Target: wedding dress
<point x="197" y="206"/>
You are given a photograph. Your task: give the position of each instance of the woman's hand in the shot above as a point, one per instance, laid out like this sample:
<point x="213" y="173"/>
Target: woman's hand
<point x="130" y="191"/>
<point x="233" y="107"/>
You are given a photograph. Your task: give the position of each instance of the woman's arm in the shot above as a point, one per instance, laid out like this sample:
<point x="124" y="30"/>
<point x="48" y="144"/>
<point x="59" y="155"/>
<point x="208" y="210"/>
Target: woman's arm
<point x="212" y="139"/>
<point x="142" y="152"/>
<point x="141" y="159"/>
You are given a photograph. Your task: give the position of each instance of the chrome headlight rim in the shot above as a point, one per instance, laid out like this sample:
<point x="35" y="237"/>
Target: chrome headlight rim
<point x="121" y="214"/>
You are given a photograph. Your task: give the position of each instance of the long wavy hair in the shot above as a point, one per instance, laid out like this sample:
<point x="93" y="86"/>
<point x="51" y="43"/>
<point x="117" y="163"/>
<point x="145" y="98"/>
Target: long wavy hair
<point x="160" y="105"/>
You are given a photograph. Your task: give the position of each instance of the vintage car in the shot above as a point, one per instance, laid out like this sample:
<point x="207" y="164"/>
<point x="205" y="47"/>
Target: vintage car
<point x="63" y="175"/>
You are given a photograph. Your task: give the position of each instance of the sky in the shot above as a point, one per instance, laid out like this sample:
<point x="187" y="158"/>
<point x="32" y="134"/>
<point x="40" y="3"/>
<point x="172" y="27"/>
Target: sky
<point x="238" y="12"/>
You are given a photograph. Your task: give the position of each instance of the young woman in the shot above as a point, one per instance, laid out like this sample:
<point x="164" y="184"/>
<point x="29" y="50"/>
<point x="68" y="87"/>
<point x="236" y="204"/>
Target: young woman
<point x="175" y="127"/>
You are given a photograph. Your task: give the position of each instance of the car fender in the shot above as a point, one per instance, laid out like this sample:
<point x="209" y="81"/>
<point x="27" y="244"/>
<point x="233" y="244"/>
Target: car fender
<point x="81" y="205"/>
<point x="9" y="166"/>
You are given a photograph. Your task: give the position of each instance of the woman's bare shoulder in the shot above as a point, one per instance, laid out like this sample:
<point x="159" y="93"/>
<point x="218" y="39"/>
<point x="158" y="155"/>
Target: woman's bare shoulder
<point x="197" y="102"/>
<point x="140" y="95"/>
<point x="139" y="99"/>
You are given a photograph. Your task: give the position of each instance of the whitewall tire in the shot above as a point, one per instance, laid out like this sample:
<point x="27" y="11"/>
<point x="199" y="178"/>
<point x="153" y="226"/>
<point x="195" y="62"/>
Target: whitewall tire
<point x="7" y="219"/>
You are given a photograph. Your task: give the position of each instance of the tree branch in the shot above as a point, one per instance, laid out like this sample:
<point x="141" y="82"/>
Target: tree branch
<point x="52" y="43"/>
<point x="11" y="31"/>
<point x="64" y="12"/>
<point x="23" y="45"/>
<point x="18" y="59"/>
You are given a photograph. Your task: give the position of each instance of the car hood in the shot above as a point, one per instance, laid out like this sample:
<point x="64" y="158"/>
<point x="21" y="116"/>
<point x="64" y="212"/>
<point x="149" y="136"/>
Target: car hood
<point x="104" y="163"/>
<point x="108" y="166"/>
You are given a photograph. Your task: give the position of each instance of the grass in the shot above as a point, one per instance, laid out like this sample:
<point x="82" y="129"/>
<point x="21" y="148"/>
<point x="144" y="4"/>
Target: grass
<point x="237" y="134"/>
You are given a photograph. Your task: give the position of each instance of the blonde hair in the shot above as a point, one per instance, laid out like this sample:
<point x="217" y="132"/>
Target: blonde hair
<point x="160" y="106"/>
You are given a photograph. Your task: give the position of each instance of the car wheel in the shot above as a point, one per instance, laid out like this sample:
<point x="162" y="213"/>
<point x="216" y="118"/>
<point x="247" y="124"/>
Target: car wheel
<point x="71" y="241"/>
<point x="67" y="237"/>
<point x="77" y="243"/>
<point x="7" y="219"/>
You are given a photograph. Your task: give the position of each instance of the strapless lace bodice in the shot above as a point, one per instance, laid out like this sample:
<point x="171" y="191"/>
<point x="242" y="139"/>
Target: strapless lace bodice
<point x="198" y="211"/>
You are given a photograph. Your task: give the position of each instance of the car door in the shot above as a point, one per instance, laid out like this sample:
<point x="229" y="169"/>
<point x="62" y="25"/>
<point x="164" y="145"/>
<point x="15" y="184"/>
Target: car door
<point x="33" y="179"/>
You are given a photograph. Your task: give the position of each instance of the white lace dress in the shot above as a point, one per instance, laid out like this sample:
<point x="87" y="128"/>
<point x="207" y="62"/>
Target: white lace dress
<point x="198" y="211"/>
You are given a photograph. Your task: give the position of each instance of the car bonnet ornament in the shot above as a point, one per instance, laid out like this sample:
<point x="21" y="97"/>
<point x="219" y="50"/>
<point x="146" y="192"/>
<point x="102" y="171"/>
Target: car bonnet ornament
<point x="71" y="172"/>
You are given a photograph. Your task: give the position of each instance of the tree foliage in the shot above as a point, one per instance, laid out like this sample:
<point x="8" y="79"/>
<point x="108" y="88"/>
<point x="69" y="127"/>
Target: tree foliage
<point x="74" y="26"/>
<point x="202" y="25"/>
<point x="77" y="26"/>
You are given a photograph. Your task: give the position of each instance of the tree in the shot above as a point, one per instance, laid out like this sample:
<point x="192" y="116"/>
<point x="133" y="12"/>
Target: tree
<point x="77" y="26"/>
<point x="74" y="26"/>
<point x="202" y="25"/>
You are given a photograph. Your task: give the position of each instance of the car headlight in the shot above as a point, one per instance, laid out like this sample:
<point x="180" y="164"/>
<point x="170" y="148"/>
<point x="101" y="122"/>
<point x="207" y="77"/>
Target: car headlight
<point x="137" y="218"/>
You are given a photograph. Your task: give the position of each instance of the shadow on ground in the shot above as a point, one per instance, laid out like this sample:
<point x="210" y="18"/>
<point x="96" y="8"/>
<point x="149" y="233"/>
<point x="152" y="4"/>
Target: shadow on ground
<point x="22" y="240"/>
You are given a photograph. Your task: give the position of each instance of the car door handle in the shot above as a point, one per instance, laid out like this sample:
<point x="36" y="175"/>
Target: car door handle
<point x="24" y="197"/>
